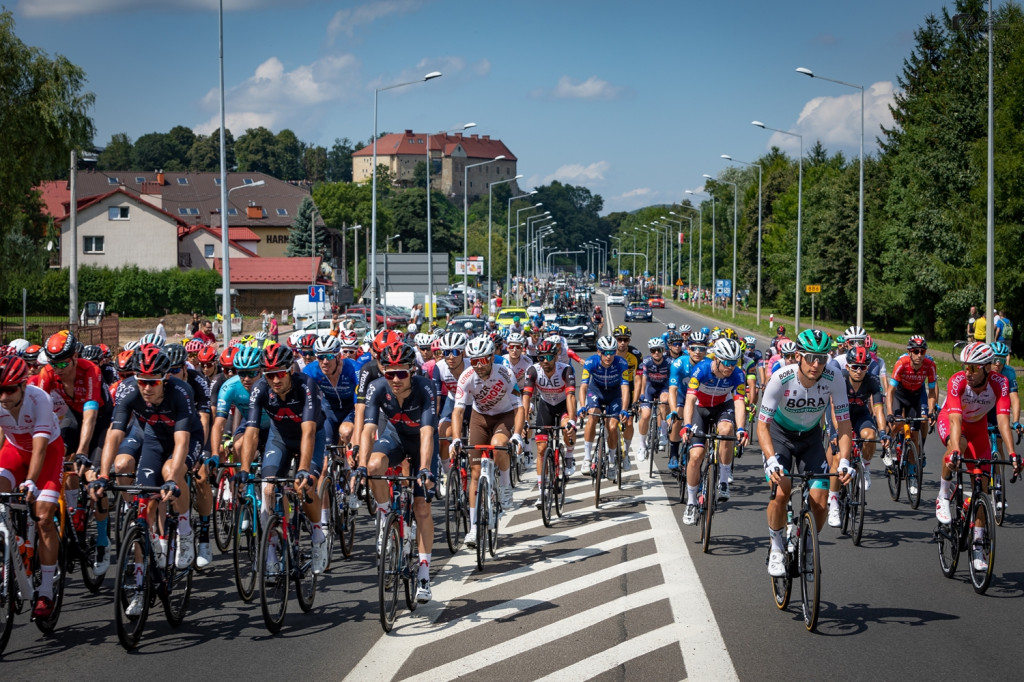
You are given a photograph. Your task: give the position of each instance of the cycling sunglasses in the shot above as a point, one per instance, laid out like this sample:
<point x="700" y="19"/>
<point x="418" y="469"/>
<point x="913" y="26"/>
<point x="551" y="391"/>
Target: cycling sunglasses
<point x="815" y="358"/>
<point x="274" y="374"/>
<point x="150" y="382"/>
<point x="547" y="358"/>
<point x="789" y="356"/>
<point x="479" y="362"/>
<point x="675" y="343"/>
<point x="657" y="350"/>
<point x="857" y="368"/>
<point x="175" y="370"/>
<point x="247" y="373"/>
<point x="452" y="353"/>
<point x="326" y="356"/>
<point x="60" y="365"/>
<point x="397" y="374"/>
<point x="726" y="363"/>
<point x="698" y="349"/>
<point x="8" y="390"/>
<point x="917" y="351"/>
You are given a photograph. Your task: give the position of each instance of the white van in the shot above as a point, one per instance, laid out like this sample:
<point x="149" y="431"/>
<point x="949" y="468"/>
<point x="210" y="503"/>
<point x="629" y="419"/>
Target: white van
<point x="304" y="312"/>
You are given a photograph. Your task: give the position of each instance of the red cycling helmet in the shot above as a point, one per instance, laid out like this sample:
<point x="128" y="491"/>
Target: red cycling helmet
<point x="916" y="342"/>
<point x="858" y="355"/>
<point x="545" y="347"/>
<point x="31" y="355"/>
<point x="13" y="370"/>
<point x="126" y="362"/>
<point x="277" y="357"/>
<point x="307" y="342"/>
<point x="104" y="351"/>
<point x="385" y="338"/>
<point x="194" y="346"/>
<point x="61" y="346"/>
<point x="398" y="353"/>
<point x="227" y="357"/>
<point x="207" y="354"/>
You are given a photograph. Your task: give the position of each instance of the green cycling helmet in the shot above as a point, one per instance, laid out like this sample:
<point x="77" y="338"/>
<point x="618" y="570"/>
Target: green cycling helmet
<point x="813" y="341"/>
<point x="1000" y="349"/>
<point x="247" y="358"/>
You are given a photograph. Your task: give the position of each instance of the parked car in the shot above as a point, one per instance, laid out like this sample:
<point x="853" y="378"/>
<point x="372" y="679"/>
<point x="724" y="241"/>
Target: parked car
<point x="615" y="299"/>
<point x="321" y="327"/>
<point x="656" y="302"/>
<point x="577" y="330"/>
<point x="638" y="312"/>
<point x="392" y="320"/>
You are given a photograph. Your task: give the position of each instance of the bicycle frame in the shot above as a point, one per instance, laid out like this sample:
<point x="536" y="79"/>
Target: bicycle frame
<point x="12" y="505"/>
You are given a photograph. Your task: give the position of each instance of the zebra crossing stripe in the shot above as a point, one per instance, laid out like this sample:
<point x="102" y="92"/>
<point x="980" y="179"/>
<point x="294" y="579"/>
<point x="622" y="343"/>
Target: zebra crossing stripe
<point x="615" y="656"/>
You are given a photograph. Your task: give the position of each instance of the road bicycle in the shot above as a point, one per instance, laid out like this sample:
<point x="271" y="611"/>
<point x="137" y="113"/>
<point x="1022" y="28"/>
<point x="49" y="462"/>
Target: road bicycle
<point x="488" y="502"/>
<point x="905" y="461"/>
<point x="456" y="501"/>
<point x="853" y="496"/>
<point x="602" y="463"/>
<point x="553" y="480"/>
<point x="652" y="440"/>
<point x="957" y="347"/>
<point x="997" y="479"/>
<point x="145" y="572"/>
<point x="78" y="531"/>
<point x="245" y="540"/>
<point x="399" y="559"/>
<point x="335" y="485"/>
<point x="707" y="490"/>
<point x="802" y="558"/>
<point x="225" y="502"/>
<point x="968" y="511"/>
<point x="286" y="554"/>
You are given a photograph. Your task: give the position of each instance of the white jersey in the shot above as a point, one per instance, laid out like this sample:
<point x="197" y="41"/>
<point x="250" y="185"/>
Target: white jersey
<point x="497" y="394"/>
<point x="36" y="418"/>
<point x="551" y="389"/>
<point x="795" y="408"/>
<point x="519" y="367"/>
<point x="449" y="380"/>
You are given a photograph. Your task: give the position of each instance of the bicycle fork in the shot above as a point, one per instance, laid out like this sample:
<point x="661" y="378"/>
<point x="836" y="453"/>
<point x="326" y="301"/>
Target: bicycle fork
<point x="17" y="563"/>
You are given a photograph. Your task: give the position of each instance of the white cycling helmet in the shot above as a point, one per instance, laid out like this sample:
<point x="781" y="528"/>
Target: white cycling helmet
<point x="751" y="342"/>
<point x="977" y="353"/>
<point x="671" y="326"/>
<point x="348" y="338"/>
<point x="606" y="343"/>
<point x="454" y="341"/>
<point x="655" y="342"/>
<point x="855" y="333"/>
<point x="413" y="328"/>
<point x="19" y="345"/>
<point x="490" y="318"/>
<point x="154" y="339"/>
<point x="261" y="337"/>
<point x="294" y="338"/>
<point x="480" y="347"/>
<point x="515" y="339"/>
<point x="787" y="347"/>
<point x="727" y="349"/>
<point x="131" y="345"/>
<point x="685" y="328"/>
<point x="326" y="344"/>
<point x="555" y="339"/>
<point x="423" y="340"/>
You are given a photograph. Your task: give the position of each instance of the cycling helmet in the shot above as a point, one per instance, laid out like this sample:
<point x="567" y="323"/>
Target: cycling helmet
<point x="306" y="343"/>
<point x="858" y="355"/>
<point x="151" y="359"/>
<point x="781" y="331"/>
<point x="490" y="318"/>
<point x="348" y="338"/>
<point x="435" y="345"/>
<point x="13" y="370"/>
<point x="854" y="333"/>
<point x="61" y="346"/>
<point x="606" y="343"/>
<point x="19" y="345"/>
<point x="176" y="354"/>
<point x="597" y="308"/>
<point x="1000" y="350"/>
<point x="92" y="353"/>
<point x="154" y="339"/>
<point x="685" y="329"/>
<point x="422" y="340"/>
<point x="480" y="347"/>
<point x="385" y="337"/>
<point x="556" y="339"/>
<point x="917" y="341"/>
<point x="31" y="354"/>
<point x="622" y="330"/>
<point x="104" y="351"/>
<point x="868" y="341"/>
<point x="398" y="353"/>
<point x="977" y="353"/>
<point x="7" y="350"/>
<point x="655" y="342"/>
<point x="545" y="347"/>
<point x="751" y="342"/>
<point x="126" y="361"/>
<point x="515" y="340"/>
<point x="674" y="337"/>
<point x="207" y="354"/>
<point x="839" y="339"/>
<point x="698" y="338"/>
<point x="248" y="358"/>
<point x="814" y="341"/>
<point x="259" y="337"/>
<point x="729" y="333"/>
<point x="294" y="338"/>
<point x="454" y="341"/>
<point x="131" y="345"/>
<point x="194" y="346"/>
<point x="504" y="332"/>
<point x="727" y="349"/>
<point x="327" y="344"/>
<point x="787" y="347"/>
<point x="468" y="326"/>
<point x="671" y="326"/>
<point x="277" y="357"/>
<point x="413" y="328"/>
<point x="227" y="357"/>
<point x="715" y="334"/>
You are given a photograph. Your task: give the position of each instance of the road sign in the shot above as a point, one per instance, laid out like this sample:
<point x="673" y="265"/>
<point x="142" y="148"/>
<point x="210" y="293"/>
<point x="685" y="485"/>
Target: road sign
<point x="624" y="272"/>
<point x="813" y="288"/>
<point x="679" y="282"/>
<point x="317" y="293"/>
<point x="723" y="287"/>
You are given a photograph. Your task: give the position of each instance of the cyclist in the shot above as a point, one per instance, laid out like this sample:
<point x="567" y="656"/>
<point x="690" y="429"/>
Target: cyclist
<point x="31" y="460"/>
<point x="670" y="329"/>
<point x="963" y="427"/>
<point x="31" y="358"/>
<point x="753" y="362"/>
<point x="678" y="377"/>
<point x="422" y="348"/>
<point x="604" y="385"/>
<point x="914" y="391"/>
<point x="235" y="396"/>
<point x="674" y="344"/>
<point x="714" y="394"/>
<point x="447" y="371"/>
<point x="787" y="355"/>
<point x="555" y="386"/>
<point x="336" y="378"/>
<point x="788" y="430"/>
<point x="171" y="443"/>
<point x="634" y="357"/>
<point x="564" y="352"/>
<point x="496" y="418"/>
<point x="293" y="402"/>
<point x="653" y="373"/>
<point x="1001" y="352"/>
<point x="407" y="402"/>
<point x="684" y="332"/>
<point x="518" y="362"/>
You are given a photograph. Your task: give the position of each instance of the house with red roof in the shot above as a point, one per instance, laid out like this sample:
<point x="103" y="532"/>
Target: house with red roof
<point x="271" y="283"/>
<point x="449" y="156"/>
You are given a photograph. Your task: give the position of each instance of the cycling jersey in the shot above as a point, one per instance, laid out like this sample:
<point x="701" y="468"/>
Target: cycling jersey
<point x="861" y="399"/>
<point x="87" y="389"/>
<point x="656" y="372"/>
<point x="234" y="395"/>
<point x="904" y="375"/>
<point x="633" y="357"/>
<point x="712" y="390"/>
<point x="301" y="404"/>
<point x="680" y="370"/>
<point x="219" y="380"/>
<point x="551" y="389"/>
<point x="340" y="396"/>
<point x="447" y="380"/>
<point x="367" y="375"/>
<point x="35" y="419"/>
<point x="176" y="412"/>
<point x="200" y="389"/>
<point x="407" y="417"/>
<point x="973" y="404"/>
<point x="602" y="378"/>
<point x="519" y="367"/>
<point x="495" y="395"/>
<point x="1011" y="376"/>
<point x="795" y="408"/>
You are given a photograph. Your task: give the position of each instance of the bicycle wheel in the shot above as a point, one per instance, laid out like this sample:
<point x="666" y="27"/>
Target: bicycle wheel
<point x="948" y="540"/>
<point x="916" y="477"/>
<point x="810" y="570"/>
<point x="301" y="545"/>
<point x="652" y="449"/>
<point x="782" y="587"/>
<point x="327" y="491"/>
<point x="955" y="352"/>
<point x="85" y="547"/>
<point x="560" y="482"/>
<point x="893" y="475"/>
<point x="858" y="505"/>
<point x="620" y="457"/>
<point x="412" y="565"/>
<point x="547" y="488"/>
<point x="599" y="465"/>
<point x="454" y="521"/>
<point x="708" y="504"/>
<point x="845" y="504"/>
<point x="47" y="625"/>
<point x="981" y="577"/>
<point x="998" y="493"/>
<point x="493" y="518"/>
<point x="245" y="551"/>
<point x="224" y="511"/>
<point x="8" y="591"/>
<point x="133" y="582"/>
<point x="275" y="572"/>
<point x="483" y="522"/>
<point x="127" y="512"/>
<point x="344" y="519"/>
<point x="389" y="571"/>
<point x="177" y="588"/>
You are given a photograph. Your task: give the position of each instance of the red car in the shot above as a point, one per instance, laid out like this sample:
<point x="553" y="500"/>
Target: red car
<point x="656" y="302"/>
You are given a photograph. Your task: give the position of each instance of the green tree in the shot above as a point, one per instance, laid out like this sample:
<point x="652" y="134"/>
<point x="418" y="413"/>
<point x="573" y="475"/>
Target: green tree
<point x="204" y="154"/>
<point x="118" y="153"/>
<point x="300" y="232"/>
<point x="256" y="152"/>
<point x="314" y="163"/>
<point x="151" y="152"/>
<point x="288" y="157"/>
<point x="339" y="160"/>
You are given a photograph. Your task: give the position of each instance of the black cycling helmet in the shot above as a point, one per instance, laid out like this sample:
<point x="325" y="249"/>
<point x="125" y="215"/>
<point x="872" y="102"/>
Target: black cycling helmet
<point x="176" y="353"/>
<point x="277" y="357"/>
<point x="150" y="359"/>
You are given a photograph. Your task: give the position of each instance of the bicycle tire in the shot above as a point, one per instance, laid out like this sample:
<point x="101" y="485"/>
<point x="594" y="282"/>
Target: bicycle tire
<point x="494" y="518"/>
<point x="327" y="491"/>
<point x="782" y="587"/>
<point x="453" y="516"/>
<point x="48" y="624"/>
<point x="619" y="461"/>
<point x="810" y="570"/>
<point x="845" y="508"/>
<point x="482" y="522"/>
<point x="274" y="588"/>
<point x="388" y="572"/>
<point x="948" y="539"/>
<point x="957" y="347"/>
<point x="651" y="442"/>
<point x="412" y="564"/>
<point x="893" y="475"/>
<point x="126" y="587"/>
<point x="981" y="579"/>
<point x="547" y="488"/>
<point x="245" y="552"/>
<point x="85" y="547"/>
<point x="860" y="505"/>
<point x="345" y="521"/>
<point x="8" y="592"/>
<point x="177" y="587"/>
<point x="560" y="482"/>
<point x="301" y="544"/>
<point x="710" y="494"/>
<point x="998" y="490"/>
<point x="912" y="453"/>
<point x="599" y="465"/>
<point x="224" y="511"/>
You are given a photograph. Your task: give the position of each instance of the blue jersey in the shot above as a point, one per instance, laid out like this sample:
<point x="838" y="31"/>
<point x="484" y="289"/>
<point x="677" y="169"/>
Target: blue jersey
<point x="605" y="378"/>
<point x="342" y="396"/>
<point x="712" y="390"/>
<point x="233" y="394"/>
<point x="1011" y="376"/>
<point x="680" y="370"/>
<point x="656" y="372"/>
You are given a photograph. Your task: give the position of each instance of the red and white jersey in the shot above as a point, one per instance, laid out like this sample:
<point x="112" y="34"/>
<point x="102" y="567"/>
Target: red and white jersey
<point x="497" y="394"/>
<point x="974" y="405"/>
<point x="449" y="380"/>
<point x="35" y="419"/>
<point x="519" y="368"/>
<point x="551" y="389"/>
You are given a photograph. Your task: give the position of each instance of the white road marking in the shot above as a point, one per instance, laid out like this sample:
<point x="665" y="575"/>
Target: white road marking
<point x="615" y="656"/>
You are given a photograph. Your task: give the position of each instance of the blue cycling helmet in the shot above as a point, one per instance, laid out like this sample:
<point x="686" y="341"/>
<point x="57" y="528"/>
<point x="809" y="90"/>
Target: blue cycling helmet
<point x="706" y="331"/>
<point x="247" y="358"/>
<point x="1000" y="349"/>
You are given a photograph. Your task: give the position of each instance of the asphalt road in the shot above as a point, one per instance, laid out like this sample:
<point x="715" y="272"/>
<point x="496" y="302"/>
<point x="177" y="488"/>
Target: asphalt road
<point x="617" y="592"/>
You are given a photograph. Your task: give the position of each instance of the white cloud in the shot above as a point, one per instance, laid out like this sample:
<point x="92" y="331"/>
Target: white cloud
<point x="592" y="88"/>
<point x="575" y="173"/>
<point x="631" y="200"/>
<point x="836" y="120"/>
<point x="345" y="21"/>
<point x="639" y="192"/>
<point x="448" y="66"/>
<point x="71" y="8"/>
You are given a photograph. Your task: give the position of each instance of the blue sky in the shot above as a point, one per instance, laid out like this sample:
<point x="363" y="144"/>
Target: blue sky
<point x="635" y="101"/>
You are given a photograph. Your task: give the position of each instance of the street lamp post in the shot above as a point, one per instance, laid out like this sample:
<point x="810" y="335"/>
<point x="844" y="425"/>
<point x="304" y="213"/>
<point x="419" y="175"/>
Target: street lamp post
<point x="465" y="228"/>
<point x="700" y="212"/>
<point x="490" y="231"/>
<point x="700" y="241"/>
<point x="735" y="195"/>
<point x="531" y="230"/>
<point x="518" y="225"/>
<point x="799" y="216"/>
<point x="226" y="256"/>
<point x="508" y="243"/>
<point x="674" y="250"/>
<point x="758" y="166"/>
<point x="373" y="199"/>
<point x="618" y="255"/>
<point x="355" y="249"/>
<point x="860" y="217"/>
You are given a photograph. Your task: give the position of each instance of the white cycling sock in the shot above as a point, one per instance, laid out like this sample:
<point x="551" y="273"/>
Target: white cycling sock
<point x="325" y="515"/>
<point x="588" y="448"/>
<point x="833" y="499"/>
<point x="944" y="487"/>
<point x="317" y="533"/>
<point x="778" y="538"/>
<point x="184" y="527"/>
<point x="424" y="571"/>
<point x="505" y="477"/>
<point x="691" y="494"/>
<point x="472" y="517"/>
<point x="726" y="472"/>
<point x="46" y="580"/>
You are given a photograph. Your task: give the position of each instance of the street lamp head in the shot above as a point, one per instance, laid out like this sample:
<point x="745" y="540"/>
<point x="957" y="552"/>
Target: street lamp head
<point x="757" y="123"/>
<point x="726" y="157"/>
<point x="468" y="126"/>
<point x="432" y="74"/>
<point x="517" y="177"/>
<point x="806" y="72"/>
<point x="499" y="157"/>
